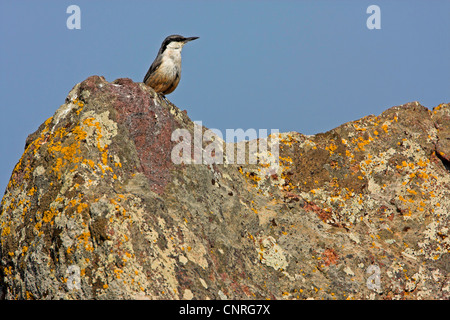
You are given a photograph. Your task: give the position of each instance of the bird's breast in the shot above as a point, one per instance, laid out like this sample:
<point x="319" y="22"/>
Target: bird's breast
<point x="171" y="63"/>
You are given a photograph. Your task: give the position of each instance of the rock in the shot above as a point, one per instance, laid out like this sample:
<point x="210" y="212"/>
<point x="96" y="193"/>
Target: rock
<point x="97" y="209"/>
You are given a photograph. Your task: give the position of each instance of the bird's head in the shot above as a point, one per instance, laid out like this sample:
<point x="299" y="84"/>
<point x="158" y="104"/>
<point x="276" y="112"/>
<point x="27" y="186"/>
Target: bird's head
<point x="175" y="42"/>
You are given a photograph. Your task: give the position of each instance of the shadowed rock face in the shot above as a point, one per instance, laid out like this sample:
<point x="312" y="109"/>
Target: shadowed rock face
<point x="96" y="209"/>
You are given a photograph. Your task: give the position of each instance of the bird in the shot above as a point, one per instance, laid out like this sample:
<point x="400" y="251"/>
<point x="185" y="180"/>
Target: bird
<point x="165" y="72"/>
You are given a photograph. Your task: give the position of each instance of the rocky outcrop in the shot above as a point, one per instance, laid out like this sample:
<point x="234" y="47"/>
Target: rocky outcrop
<point x="97" y="209"/>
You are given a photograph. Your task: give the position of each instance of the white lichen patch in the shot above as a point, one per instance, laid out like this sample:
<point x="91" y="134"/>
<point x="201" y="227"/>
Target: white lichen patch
<point x="187" y="294"/>
<point x="271" y="254"/>
<point x="40" y="170"/>
<point x="99" y="128"/>
<point x="194" y="250"/>
<point x="203" y="282"/>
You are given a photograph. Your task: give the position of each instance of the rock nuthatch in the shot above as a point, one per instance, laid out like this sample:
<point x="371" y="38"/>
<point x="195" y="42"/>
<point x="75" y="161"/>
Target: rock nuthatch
<point x="165" y="72"/>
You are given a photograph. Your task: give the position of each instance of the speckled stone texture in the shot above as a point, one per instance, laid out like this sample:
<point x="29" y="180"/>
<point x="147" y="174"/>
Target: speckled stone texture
<point x="96" y="209"/>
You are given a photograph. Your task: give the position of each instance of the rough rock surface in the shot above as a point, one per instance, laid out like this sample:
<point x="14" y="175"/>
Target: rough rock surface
<point x="96" y="209"/>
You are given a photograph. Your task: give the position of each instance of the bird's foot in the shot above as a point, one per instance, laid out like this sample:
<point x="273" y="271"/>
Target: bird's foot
<point x="165" y="99"/>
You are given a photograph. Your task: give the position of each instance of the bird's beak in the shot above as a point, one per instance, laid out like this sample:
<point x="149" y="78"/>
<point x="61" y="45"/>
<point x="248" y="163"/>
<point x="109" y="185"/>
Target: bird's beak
<point x="190" y="39"/>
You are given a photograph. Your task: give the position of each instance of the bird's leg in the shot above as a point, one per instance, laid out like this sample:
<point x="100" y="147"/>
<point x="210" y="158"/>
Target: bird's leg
<point x="165" y="99"/>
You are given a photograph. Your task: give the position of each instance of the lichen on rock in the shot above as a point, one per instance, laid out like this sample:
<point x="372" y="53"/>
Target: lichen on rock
<point x="96" y="209"/>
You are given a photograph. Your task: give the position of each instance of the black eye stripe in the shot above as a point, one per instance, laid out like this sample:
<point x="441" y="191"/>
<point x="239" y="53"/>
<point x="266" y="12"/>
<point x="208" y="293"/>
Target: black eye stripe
<point x="170" y="39"/>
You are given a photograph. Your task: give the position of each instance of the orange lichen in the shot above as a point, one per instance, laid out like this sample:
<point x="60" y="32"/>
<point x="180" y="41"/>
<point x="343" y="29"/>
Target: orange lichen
<point x="49" y="215"/>
<point x="81" y="207"/>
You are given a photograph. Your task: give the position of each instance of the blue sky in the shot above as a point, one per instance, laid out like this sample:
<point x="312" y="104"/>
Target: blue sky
<point x="305" y="66"/>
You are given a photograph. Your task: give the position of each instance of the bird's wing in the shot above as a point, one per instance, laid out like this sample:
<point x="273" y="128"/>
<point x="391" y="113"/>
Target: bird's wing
<point x="153" y="67"/>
